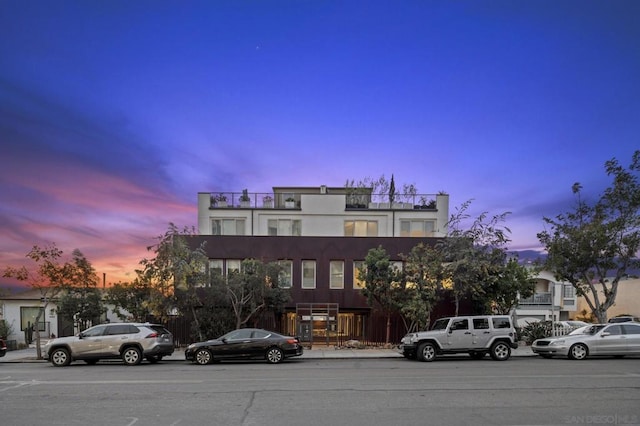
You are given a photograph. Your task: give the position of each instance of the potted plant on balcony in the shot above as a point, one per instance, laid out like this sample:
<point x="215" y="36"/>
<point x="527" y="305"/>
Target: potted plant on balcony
<point x="290" y="203"/>
<point x="220" y="200"/>
<point x="245" y="201"/>
<point x="267" y="201"/>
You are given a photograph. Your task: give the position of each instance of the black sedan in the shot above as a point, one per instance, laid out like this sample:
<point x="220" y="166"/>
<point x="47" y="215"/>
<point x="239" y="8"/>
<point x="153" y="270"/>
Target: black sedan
<point x="245" y="343"/>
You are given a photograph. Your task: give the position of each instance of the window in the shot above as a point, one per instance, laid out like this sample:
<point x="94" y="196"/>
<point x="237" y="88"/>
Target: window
<point x="480" y="323"/>
<point x="308" y="274"/>
<point x="501" y="323"/>
<point x="358" y="265"/>
<point x="95" y="331"/>
<point x="360" y="228"/>
<point x="233" y="265"/>
<point x="416" y="228"/>
<point x="121" y="329"/>
<point x="28" y="317"/>
<point x="285" y="273"/>
<point x="336" y="269"/>
<point x="460" y="324"/>
<point x="630" y="329"/>
<point x="227" y="226"/>
<point x="568" y="291"/>
<point x="287" y="227"/>
<point x="215" y="267"/>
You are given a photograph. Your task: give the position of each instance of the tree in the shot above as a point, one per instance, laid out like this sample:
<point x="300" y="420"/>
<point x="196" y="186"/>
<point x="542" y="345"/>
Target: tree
<point x="174" y="273"/>
<point x="253" y="289"/>
<point x="512" y="282"/>
<point x="81" y="301"/>
<point x="423" y="275"/>
<point x="48" y="276"/>
<point x="474" y="256"/>
<point x="382" y="288"/>
<point x="593" y="246"/>
<point x="131" y="300"/>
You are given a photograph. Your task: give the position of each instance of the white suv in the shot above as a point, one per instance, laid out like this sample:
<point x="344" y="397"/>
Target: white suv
<point x="130" y="342"/>
<point x="475" y="335"/>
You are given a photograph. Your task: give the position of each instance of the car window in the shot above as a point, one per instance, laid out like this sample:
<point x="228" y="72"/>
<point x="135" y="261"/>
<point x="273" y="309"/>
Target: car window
<point x="480" y="323"/>
<point x="614" y="329"/>
<point x="261" y="334"/>
<point x="631" y="329"/>
<point x="501" y="323"/>
<point x="460" y="324"/>
<point x="121" y="329"/>
<point x="94" y="331"/>
<point x="239" y="334"/>
<point x="159" y="329"/>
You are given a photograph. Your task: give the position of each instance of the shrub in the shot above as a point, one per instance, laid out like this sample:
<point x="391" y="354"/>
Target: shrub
<point x="536" y="330"/>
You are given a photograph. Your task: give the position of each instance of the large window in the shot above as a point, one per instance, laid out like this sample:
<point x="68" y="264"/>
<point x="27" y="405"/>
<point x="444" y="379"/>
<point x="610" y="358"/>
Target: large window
<point x="227" y="226"/>
<point x="358" y="265"/>
<point x="308" y="274"/>
<point x="28" y="317"/>
<point x="336" y="268"/>
<point x="287" y="227"/>
<point x="360" y="228"/>
<point x="417" y="228"/>
<point x="286" y="273"/>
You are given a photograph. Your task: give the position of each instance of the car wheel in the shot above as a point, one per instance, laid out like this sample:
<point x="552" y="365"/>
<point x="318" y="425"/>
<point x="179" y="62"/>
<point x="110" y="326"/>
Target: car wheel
<point x="477" y="355"/>
<point x="578" y="351"/>
<point x="203" y="357"/>
<point x="500" y="351"/>
<point x="132" y="356"/>
<point x="426" y="352"/>
<point x="60" y="357"/>
<point x="274" y="355"/>
<point x="91" y="361"/>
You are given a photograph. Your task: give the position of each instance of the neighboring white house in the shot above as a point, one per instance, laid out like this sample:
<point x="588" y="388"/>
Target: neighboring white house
<point x="551" y="300"/>
<point x="20" y="311"/>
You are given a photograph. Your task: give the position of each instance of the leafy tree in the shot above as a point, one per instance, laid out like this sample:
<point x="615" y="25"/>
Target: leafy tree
<point x="474" y="256"/>
<point x="423" y="275"/>
<point x="512" y="281"/>
<point x="593" y="246"/>
<point x="252" y="290"/>
<point x="48" y="276"/>
<point x="131" y="300"/>
<point x="382" y="285"/>
<point x="81" y="301"/>
<point x="174" y="273"/>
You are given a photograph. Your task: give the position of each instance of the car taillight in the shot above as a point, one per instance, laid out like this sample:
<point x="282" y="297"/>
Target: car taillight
<point x="292" y="341"/>
<point x="152" y="335"/>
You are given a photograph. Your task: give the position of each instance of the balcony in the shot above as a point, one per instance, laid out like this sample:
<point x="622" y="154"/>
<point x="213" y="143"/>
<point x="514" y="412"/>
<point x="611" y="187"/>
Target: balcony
<point x="537" y="299"/>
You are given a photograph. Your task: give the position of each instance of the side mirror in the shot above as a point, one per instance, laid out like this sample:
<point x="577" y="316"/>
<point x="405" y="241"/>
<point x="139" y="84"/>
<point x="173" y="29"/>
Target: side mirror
<point x="224" y="340"/>
<point x="80" y="335"/>
<point x="605" y="333"/>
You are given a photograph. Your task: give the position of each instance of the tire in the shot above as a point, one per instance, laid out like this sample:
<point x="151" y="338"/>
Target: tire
<point x="500" y="351"/>
<point x="274" y="355"/>
<point x="579" y="351"/>
<point x="203" y="357"/>
<point x="477" y="355"/>
<point x="426" y="352"/>
<point x="132" y="356"/>
<point x="60" y="357"/>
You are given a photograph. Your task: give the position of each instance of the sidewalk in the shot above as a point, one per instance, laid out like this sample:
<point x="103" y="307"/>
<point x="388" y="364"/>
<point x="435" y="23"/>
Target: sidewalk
<point x="29" y="355"/>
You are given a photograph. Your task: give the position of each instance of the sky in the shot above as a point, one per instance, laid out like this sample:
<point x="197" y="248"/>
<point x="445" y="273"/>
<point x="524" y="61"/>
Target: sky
<point x="115" y="114"/>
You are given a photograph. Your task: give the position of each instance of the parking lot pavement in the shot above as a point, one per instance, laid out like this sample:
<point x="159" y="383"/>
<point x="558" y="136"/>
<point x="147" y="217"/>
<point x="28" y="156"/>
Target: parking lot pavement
<point x="29" y="354"/>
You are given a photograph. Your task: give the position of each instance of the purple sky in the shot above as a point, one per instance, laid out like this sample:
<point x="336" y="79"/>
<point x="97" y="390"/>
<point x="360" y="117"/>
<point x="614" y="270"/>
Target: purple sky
<point x="114" y="114"/>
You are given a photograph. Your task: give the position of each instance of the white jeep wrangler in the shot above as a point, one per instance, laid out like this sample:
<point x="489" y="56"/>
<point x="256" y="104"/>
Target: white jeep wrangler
<point x="475" y="335"/>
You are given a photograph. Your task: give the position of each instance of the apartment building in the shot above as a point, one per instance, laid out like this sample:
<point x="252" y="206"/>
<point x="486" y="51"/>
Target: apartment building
<point x="320" y="235"/>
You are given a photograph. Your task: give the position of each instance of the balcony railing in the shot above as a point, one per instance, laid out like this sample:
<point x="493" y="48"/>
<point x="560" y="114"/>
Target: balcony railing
<point x="292" y="200"/>
<point x="537" y="299"/>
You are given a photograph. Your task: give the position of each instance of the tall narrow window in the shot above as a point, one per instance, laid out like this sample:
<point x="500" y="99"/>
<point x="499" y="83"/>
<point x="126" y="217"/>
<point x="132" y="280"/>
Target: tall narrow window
<point x="308" y="274"/>
<point x="336" y="268"/>
<point x="286" y="273"/>
<point x="233" y="265"/>
<point x="358" y="265"/>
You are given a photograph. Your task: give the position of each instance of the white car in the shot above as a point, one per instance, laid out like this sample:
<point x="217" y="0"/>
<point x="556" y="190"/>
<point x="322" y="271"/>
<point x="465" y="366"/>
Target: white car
<point x="596" y="340"/>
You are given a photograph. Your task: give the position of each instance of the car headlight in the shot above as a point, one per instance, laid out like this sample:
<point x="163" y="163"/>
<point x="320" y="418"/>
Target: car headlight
<point x="557" y="343"/>
<point x="191" y="346"/>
